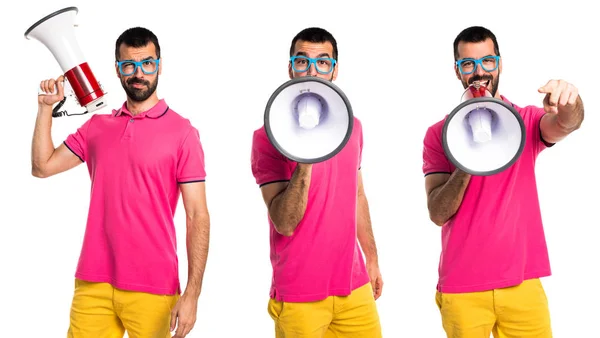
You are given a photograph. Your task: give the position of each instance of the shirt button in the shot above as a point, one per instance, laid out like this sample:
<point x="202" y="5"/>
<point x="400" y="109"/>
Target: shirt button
<point x="131" y="120"/>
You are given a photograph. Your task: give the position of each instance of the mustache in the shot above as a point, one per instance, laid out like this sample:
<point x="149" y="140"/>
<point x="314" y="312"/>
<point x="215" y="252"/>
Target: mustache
<point x="480" y="78"/>
<point x="136" y="80"/>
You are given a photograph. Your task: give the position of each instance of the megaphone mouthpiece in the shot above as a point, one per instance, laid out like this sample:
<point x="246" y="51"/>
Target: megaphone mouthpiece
<point x="475" y="90"/>
<point x="480" y="121"/>
<point x="309" y="110"/>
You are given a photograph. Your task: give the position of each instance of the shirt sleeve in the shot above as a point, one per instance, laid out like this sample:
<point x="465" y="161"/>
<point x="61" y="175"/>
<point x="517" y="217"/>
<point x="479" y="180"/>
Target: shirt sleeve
<point x="360" y="149"/>
<point x="535" y="130"/>
<point x="434" y="157"/>
<point x="77" y="141"/>
<point x="268" y="165"/>
<point x="190" y="162"/>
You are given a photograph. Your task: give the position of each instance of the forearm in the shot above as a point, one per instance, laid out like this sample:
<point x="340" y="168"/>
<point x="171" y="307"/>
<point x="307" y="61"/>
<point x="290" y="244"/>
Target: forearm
<point x="288" y="207"/>
<point x="365" y="231"/>
<point x="42" y="146"/>
<point x="197" y="241"/>
<point x="443" y="201"/>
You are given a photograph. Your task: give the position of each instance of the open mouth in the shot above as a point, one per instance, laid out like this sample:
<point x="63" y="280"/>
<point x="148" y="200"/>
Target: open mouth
<point x="483" y="83"/>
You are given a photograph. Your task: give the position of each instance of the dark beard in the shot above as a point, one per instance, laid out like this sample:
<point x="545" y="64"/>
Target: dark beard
<point x="139" y="95"/>
<point x="494" y="82"/>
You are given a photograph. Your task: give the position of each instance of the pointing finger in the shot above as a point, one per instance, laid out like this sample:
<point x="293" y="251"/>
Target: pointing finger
<point x="548" y="87"/>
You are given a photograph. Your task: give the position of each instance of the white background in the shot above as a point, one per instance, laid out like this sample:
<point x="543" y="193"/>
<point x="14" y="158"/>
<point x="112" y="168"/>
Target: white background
<point x="221" y="62"/>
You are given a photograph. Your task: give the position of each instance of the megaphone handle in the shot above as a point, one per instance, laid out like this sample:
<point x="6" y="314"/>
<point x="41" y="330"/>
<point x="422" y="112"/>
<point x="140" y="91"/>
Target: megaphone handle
<point x="67" y="89"/>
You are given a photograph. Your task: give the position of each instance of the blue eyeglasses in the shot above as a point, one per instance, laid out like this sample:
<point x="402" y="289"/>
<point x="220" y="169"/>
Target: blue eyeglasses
<point x="129" y="67"/>
<point x="301" y="64"/>
<point x="469" y="65"/>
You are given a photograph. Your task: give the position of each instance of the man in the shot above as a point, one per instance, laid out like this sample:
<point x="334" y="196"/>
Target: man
<point x="493" y="245"/>
<point x="321" y="286"/>
<point x="140" y="158"/>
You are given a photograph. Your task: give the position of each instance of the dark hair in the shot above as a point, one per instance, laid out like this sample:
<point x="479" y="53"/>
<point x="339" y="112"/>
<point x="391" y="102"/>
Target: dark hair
<point x="315" y="35"/>
<point x="136" y="37"/>
<point x="475" y="34"/>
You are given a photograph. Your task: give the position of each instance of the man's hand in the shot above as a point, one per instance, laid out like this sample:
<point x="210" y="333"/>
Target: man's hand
<point x="376" y="279"/>
<point x="561" y="97"/>
<point x="53" y="91"/>
<point x="184" y="315"/>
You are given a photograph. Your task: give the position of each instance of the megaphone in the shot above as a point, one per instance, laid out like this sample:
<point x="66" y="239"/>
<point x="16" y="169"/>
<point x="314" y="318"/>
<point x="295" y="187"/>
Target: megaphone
<point x="56" y="32"/>
<point x="483" y="135"/>
<point x="308" y="119"/>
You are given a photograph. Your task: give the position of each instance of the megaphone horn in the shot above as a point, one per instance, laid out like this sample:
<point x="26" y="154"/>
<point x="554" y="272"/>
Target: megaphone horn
<point x="308" y="119"/>
<point x="483" y="135"/>
<point x="56" y="32"/>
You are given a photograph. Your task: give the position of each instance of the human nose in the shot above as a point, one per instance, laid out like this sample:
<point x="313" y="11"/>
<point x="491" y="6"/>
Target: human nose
<point x="479" y="69"/>
<point x="312" y="69"/>
<point x="138" y="71"/>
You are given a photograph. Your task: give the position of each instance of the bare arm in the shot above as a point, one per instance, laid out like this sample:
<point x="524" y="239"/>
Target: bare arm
<point x="556" y="127"/>
<point x="45" y="159"/>
<point x="445" y="194"/>
<point x="183" y="314"/>
<point x="564" y="110"/>
<point x="365" y="230"/>
<point x="286" y="201"/>
<point x="197" y="235"/>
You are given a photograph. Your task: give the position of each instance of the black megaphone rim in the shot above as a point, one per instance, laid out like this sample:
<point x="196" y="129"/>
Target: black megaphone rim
<point x="300" y="80"/>
<point x="49" y="16"/>
<point x="458" y="108"/>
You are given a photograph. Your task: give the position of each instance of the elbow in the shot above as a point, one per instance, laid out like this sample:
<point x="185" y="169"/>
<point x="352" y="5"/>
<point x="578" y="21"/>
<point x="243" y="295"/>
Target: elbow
<point x="283" y="228"/>
<point x="38" y="172"/>
<point x="434" y="212"/>
<point x="286" y="231"/>
<point x="436" y="218"/>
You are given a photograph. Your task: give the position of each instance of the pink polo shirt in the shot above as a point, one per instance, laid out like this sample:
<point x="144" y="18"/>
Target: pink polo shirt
<point x="136" y="164"/>
<point x="322" y="258"/>
<point x="496" y="238"/>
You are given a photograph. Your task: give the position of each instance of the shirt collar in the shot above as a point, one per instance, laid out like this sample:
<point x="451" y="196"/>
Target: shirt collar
<point x="155" y="112"/>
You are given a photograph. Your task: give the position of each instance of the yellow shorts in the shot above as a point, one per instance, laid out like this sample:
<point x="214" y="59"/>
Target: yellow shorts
<point x="515" y="312"/>
<point x="350" y="316"/>
<point x="100" y="310"/>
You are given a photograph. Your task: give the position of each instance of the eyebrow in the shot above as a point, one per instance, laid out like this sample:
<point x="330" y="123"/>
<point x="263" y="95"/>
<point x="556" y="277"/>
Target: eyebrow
<point x="144" y="59"/>
<point x="480" y="57"/>
<point x="318" y="56"/>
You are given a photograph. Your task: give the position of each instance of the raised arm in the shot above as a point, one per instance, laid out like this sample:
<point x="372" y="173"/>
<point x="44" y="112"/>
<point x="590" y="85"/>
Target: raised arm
<point x="286" y="201"/>
<point x="46" y="160"/>
<point x="564" y="110"/>
<point x="445" y="193"/>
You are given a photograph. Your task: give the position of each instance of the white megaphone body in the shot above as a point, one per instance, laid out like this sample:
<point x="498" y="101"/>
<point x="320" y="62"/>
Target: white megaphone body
<point x="308" y="119"/>
<point x="483" y="135"/>
<point x="56" y="32"/>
